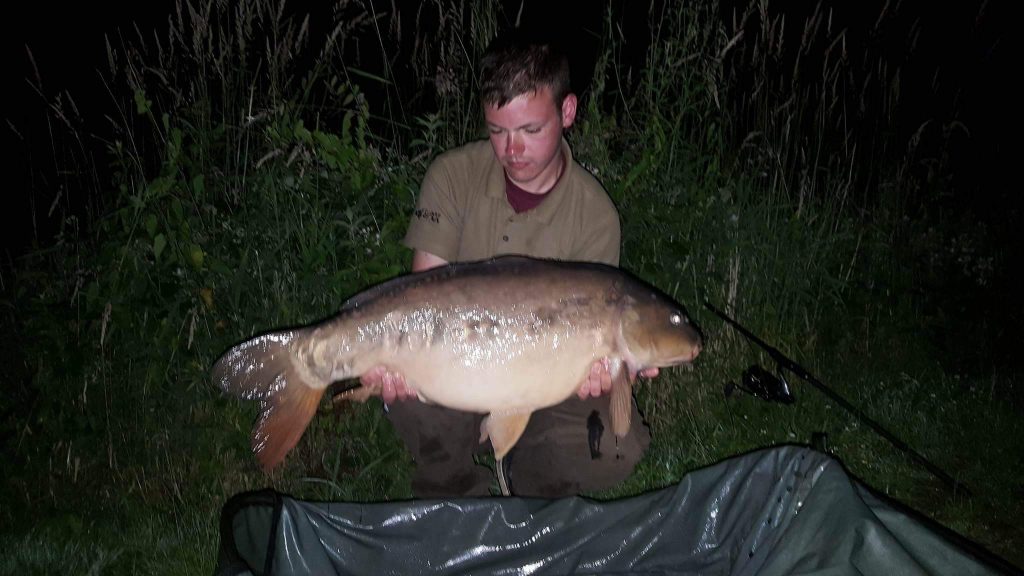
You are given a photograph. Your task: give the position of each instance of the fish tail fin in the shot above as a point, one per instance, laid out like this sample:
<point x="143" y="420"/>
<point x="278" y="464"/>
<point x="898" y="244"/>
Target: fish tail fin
<point x="264" y="369"/>
<point x="282" y="422"/>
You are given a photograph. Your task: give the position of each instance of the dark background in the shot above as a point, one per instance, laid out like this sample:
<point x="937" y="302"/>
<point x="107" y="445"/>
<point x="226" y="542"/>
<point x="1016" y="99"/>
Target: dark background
<point x="960" y="70"/>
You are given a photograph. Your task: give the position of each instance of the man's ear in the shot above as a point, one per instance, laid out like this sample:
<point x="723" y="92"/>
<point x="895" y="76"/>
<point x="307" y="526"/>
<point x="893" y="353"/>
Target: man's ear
<point x="568" y="110"/>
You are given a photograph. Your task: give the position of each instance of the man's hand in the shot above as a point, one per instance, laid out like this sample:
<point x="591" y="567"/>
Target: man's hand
<point x="391" y="384"/>
<point x="599" y="380"/>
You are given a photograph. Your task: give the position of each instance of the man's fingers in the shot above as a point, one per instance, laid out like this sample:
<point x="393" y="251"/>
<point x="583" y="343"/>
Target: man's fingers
<point x="649" y="372"/>
<point x="401" y="389"/>
<point x="606" y="382"/>
<point x="599" y="375"/>
<point x="387" y="388"/>
<point x="604" y="376"/>
<point x="372" y="377"/>
<point x="392" y="385"/>
<point x="599" y="379"/>
<point x="597" y="382"/>
<point x="585" y="389"/>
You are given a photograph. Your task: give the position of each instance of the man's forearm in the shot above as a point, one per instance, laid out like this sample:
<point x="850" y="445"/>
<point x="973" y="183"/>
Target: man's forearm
<point x="425" y="261"/>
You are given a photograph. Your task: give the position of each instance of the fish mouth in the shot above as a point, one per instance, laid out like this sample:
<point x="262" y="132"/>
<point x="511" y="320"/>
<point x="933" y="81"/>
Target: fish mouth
<point x="684" y="358"/>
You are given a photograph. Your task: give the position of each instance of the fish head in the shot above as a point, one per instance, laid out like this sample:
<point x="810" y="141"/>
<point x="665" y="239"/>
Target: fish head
<point x="657" y="332"/>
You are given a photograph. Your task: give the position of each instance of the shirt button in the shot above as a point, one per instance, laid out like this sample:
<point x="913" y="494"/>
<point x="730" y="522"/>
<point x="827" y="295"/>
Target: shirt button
<point x="505" y="238"/>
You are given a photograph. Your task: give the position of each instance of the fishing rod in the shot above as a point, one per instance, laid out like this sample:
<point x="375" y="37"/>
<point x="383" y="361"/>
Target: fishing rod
<point x="784" y="362"/>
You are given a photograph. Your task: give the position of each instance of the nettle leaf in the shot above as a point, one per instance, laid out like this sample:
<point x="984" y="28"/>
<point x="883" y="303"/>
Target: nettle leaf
<point x="142" y="104"/>
<point x="198" y="185"/>
<point x="174" y="147"/>
<point x="159" y="187"/>
<point x="177" y="211"/>
<point x="196" y="255"/>
<point x="217" y="265"/>
<point x="151" y="225"/>
<point x="302" y="133"/>
<point x="159" y="243"/>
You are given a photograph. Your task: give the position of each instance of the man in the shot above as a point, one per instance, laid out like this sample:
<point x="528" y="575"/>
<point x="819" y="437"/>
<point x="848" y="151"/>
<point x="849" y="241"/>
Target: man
<point x="519" y="193"/>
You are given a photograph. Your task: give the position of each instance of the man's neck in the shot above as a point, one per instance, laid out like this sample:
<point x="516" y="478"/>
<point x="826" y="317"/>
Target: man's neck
<point x="547" y="186"/>
<point x="522" y="200"/>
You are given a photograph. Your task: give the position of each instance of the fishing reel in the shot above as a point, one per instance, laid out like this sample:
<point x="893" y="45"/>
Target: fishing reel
<point x="762" y="384"/>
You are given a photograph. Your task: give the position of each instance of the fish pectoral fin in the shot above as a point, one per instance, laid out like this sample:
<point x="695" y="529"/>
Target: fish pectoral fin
<point x="357" y="394"/>
<point x="283" y="418"/>
<point x="504" y="430"/>
<point x="363" y="393"/>
<point x="621" y="402"/>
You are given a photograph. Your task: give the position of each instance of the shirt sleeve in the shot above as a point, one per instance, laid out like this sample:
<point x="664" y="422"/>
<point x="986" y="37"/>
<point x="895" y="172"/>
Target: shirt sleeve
<point x="601" y="236"/>
<point x="436" y="223"/>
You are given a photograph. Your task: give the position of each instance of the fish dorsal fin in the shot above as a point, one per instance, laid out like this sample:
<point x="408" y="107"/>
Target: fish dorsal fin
<point x="442" y="273"/>
<point x="370" y="294"/>
<point x="504" y="430"/>
<point x="399" y="283"/>
<point x="621" y="402"/>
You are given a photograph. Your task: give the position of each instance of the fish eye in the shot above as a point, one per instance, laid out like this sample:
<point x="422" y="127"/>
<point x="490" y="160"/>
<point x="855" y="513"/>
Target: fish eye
<point x="675" y="319"/>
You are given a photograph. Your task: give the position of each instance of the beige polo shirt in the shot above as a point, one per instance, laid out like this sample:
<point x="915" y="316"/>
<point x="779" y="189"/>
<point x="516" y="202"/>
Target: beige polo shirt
<point x="462" y="213"/>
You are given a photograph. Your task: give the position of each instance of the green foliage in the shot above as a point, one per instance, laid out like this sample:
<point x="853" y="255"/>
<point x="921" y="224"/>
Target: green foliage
<point x="255" y="188"/>
<point x="224" y="220"/>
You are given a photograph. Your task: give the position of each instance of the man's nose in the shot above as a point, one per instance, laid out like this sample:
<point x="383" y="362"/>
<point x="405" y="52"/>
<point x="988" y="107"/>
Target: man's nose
<point x="514" y="144"/>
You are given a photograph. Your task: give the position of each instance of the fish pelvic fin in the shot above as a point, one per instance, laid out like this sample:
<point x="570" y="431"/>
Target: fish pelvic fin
<point x="266" y="369"/>
<point x="504" y="429"/>
<point x="621" y="402"/>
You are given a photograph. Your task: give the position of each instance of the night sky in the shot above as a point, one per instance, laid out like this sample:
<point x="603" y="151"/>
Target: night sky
<point x="962" y="71"/>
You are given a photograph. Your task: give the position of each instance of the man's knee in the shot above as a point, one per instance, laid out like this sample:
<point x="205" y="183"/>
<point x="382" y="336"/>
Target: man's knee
<point x="442" y="443"/>
<point x="574" y="455"/>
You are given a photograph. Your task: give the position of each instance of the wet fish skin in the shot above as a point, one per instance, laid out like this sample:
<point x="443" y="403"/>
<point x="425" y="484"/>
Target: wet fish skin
<point x="505" y="337"/>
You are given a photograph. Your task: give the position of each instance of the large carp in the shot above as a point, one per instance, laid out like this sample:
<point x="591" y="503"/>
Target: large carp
<point x="505" y="337"/>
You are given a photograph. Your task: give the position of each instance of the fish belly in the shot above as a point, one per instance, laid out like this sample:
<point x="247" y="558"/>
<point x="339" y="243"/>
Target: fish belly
<point x="521" y="380"/>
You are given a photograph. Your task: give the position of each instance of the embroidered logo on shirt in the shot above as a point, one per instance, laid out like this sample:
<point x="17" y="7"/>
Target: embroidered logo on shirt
<point x="431" y="215"/>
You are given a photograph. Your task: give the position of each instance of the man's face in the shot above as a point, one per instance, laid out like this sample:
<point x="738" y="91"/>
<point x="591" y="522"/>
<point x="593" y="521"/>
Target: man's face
<point x="526" y="134"/>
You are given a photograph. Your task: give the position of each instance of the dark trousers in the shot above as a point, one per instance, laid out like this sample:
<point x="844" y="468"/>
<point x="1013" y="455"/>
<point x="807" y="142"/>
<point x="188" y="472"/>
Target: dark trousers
<point x="566" y="449"/>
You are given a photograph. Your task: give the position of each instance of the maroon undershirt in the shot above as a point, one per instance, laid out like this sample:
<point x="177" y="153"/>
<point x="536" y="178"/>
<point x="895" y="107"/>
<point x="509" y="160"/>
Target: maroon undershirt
<point x="521" y="200"/>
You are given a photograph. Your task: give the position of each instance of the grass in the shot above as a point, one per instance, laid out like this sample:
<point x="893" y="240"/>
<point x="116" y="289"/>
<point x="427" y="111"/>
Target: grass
<point x="250" y="192"/>
<point x="180" y="542"/>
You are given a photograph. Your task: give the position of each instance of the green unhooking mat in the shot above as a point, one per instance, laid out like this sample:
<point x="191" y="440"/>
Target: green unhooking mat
<point x="787" y="510"/>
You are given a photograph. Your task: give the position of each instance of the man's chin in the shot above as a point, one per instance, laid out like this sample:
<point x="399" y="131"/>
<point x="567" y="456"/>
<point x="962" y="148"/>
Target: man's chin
<point x="519" y="177"/>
